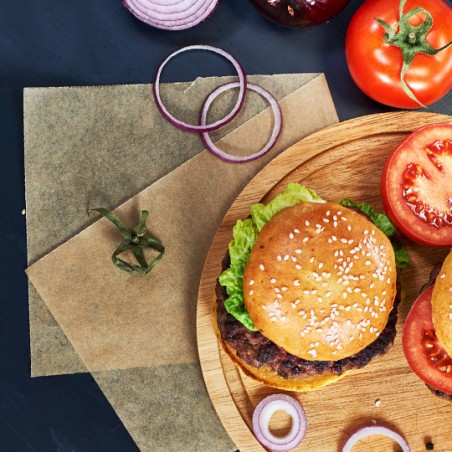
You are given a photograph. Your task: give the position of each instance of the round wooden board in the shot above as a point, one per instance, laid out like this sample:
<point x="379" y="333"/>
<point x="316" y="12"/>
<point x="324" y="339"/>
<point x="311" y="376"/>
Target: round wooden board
<point x="341" y="161"/>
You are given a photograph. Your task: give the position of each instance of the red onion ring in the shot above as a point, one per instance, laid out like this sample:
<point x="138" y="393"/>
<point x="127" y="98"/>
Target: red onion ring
<point x="177" y="15"/>
<point x="261" y="419"/>
<point x="375" y="430"/>
<point x="221" y="122"/>
<point x="272" y="140"/>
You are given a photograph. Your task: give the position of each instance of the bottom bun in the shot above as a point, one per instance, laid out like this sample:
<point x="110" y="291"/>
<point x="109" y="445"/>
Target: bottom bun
<point x="269" y="377"/>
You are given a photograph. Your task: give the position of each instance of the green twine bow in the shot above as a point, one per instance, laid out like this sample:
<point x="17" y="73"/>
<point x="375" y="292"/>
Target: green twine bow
<point x="135" y="240"/>
<point x="411" y="40"/>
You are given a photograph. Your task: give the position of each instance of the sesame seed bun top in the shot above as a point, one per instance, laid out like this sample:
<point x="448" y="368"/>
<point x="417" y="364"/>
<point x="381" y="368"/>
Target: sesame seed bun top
<point x="442" y="304"/>
<point x="320" y="281"/>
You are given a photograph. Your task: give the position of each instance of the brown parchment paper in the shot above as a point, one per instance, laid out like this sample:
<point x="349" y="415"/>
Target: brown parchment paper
<point x="147" y="325"/>
<point x="88" y="146"/>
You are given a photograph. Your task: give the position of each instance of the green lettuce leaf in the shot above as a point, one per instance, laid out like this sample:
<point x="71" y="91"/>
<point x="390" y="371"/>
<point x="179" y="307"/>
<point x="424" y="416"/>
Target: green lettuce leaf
<point x="293" y="194"/>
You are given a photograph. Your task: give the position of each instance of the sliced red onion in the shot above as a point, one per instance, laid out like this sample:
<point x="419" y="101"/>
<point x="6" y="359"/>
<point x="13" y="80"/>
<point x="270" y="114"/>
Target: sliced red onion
<point x="375" y="430"/>
<point x="204" y="127"/>
<point x="276" y="126"/>
<point x="261" y="420"/>
<point x="173" y="15"/>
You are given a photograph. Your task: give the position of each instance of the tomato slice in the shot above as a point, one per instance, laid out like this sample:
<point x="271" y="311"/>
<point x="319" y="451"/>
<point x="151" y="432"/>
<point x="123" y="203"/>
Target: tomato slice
<point x="424" y="353"/>
<point x="416" y="186"/>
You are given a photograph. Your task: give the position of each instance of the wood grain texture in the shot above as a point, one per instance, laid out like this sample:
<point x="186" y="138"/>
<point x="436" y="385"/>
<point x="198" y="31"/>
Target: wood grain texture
<point x="344" y="160"/>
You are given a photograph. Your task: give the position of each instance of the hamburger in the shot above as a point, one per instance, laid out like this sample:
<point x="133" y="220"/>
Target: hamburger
<point x="308" y="292"/>
<point x="427" y="334"/>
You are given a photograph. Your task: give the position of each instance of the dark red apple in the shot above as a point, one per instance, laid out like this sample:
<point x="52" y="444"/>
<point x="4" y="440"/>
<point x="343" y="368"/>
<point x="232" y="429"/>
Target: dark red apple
<point x="300" y="13"/>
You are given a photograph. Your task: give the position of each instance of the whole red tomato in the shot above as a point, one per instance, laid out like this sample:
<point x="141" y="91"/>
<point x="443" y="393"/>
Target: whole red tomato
<point x="392" y="51"/>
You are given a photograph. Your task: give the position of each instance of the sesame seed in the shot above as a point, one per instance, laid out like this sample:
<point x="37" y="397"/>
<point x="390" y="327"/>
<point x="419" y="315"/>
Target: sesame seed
<point x="297" y="231"/>
<point x="298" y="267"/>
<point x="279" y="258"/>
<point x="298" y="251"/>
<point x="251" y="282"/>
<point x="306" y="223"/>
<point x="284" y="288"/>
<point x="305" y="239"/>
<point x="273" y="280"/>
<point x="291" y="236"/>
<point x="261" y="266"/>
<point x="251" y="292"/>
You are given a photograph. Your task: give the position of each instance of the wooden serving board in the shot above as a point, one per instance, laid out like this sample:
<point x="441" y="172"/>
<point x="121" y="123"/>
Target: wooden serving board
<point x="341" y="161"/>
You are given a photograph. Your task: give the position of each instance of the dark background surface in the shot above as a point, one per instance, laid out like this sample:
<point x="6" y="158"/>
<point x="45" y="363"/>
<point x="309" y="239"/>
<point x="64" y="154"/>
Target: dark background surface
<point x="97" y="42"/>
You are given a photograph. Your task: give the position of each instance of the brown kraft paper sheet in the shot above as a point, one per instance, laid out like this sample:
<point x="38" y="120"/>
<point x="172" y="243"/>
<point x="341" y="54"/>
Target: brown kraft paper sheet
<point x="186" y="206"/>
<point x="109" y="144"/>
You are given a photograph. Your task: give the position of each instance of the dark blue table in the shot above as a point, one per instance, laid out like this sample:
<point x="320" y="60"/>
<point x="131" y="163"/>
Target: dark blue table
<point x="97" y="42"/>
